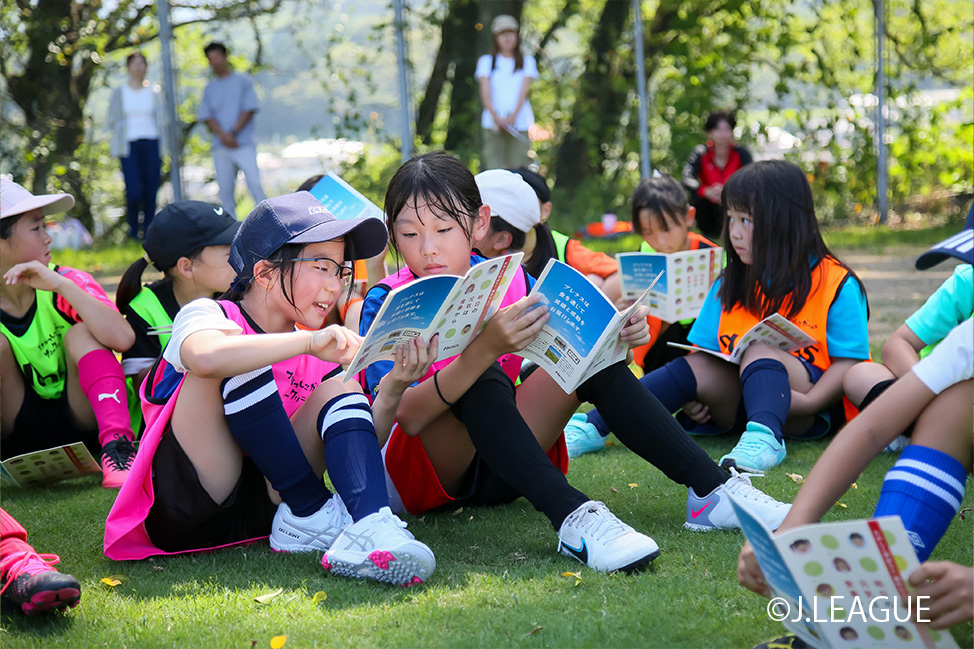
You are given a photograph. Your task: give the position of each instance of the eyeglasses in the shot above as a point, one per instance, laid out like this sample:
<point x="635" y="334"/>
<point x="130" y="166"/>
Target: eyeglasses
<point x="342" y="272"/>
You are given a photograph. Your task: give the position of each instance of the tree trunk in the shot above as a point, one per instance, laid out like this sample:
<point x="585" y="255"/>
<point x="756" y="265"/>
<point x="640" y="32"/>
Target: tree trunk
<point x="599" y="103"/>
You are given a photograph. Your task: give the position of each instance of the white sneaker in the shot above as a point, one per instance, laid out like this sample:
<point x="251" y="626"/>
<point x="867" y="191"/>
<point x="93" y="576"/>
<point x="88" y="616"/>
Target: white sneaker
<point x="379" y="547"/>
<point x="315" y="533"/>
<point x="714" y="511"/>
<point x="593" y="535"/>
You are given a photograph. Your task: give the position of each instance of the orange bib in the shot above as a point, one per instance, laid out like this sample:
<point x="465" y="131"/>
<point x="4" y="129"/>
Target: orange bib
<point x="827" y="279"/>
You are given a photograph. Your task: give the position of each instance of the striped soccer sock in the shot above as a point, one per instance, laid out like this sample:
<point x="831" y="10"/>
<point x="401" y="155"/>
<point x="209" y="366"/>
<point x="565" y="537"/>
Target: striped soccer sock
<point x="925" y="489"/>
<point x="353" y="454"/>
<point x="260" y="425"/>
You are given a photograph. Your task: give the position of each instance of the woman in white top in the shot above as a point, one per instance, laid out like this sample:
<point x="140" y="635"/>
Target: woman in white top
<point x="135" y="116"/>
<point x="505" y="76"/>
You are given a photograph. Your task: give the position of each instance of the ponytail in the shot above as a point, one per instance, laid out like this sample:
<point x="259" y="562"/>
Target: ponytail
<point x="131" y="284"/>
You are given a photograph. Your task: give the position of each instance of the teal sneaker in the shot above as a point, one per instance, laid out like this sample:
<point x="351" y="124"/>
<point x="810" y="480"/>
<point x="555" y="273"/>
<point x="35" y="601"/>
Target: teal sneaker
<point x="758" y="450"/>
<point x="582" y="437"/>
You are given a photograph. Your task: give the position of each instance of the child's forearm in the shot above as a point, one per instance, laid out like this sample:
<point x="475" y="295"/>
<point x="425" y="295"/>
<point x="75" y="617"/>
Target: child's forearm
<point x="214" y="354"/>
<point x="828" y="389"/>
<point x="384" y="408"/>
<point x="855" y="447"/>
<point x="108" y="326"/>
<point x="902" y="351"/>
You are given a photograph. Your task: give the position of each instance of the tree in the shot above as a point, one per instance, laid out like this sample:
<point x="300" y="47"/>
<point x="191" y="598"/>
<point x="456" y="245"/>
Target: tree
<point x="51" y="55"/>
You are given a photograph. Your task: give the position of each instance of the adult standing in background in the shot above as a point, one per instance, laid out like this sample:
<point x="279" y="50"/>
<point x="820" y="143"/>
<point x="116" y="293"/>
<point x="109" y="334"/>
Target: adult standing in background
<point x="136" y="118"/>
<point x="709" y="167"/>
<point x="227" y="109"/>
<point x="505" y="77"/>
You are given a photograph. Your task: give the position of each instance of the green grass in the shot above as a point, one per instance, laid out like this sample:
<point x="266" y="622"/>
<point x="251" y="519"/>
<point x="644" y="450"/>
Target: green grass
<point x="498" y="580"/>
<point x="873" y="238"/>
<point x="101" y="260"/>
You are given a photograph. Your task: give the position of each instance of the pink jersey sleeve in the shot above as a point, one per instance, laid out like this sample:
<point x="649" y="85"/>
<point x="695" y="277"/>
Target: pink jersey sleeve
<point x="87" y="284"/>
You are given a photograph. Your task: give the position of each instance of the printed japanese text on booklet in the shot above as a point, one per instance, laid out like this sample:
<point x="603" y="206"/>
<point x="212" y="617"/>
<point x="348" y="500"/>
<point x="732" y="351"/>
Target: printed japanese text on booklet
<point x="343" y="200"/>
<point x="843" y="584"/>
<point x="582" y="334"/>
<point x="775" y="331"/>
<point x="455" y="307"/>
<point x="49" y="465"/>
<point x="687" y="278"/>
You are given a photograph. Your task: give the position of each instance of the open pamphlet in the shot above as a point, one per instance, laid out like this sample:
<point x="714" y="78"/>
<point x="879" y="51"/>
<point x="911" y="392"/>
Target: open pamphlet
<point x="843" y="584"/>
<point x="687" y="278"/>
<point x="775" y="331"/>
<point x="582" y="334"/>
<point x="455" y="307"/>
<point x="49" y="465"/>
<point x="343" y="200"/>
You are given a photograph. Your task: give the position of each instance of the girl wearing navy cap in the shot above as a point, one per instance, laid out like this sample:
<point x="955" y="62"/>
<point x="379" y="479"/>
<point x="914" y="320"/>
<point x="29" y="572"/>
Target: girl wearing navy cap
<point x="189" y="242"/>
<point x="239" y="425"/>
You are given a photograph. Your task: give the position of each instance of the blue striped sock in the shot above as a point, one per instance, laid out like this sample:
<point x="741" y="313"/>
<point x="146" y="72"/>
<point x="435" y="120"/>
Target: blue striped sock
<point x="925" y="489"/>
<point x="353" y="454"/>
<point x="260" y="425"/>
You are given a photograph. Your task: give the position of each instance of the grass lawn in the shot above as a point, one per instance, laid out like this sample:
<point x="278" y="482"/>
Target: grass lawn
<point x="498" y="580"/>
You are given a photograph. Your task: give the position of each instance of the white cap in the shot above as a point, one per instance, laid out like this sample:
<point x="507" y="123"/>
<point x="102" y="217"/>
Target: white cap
<point x="15" y="200"/>
<point x="509" y="198"/>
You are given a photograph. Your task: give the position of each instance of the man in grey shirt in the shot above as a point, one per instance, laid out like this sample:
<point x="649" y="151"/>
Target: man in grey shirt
<point x="227" y="109"/>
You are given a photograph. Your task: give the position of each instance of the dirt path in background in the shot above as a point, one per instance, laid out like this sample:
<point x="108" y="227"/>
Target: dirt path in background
<point x="894" y="286"/>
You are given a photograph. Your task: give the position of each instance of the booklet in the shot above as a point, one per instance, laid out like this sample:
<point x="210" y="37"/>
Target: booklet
<point x="843" y="584"/>
<point x="455" y="307"/>
<point x="582" y="335"/>
<point x="688" y="276"/>
<point x="776" y="330"/>
<point x="343" y="200"/>
<point x="50" y="465"/>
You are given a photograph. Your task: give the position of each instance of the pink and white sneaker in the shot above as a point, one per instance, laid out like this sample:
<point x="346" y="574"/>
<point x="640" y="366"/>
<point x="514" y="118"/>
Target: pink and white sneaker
<point x="33" y="586"/>
<point x="379" y="547"/>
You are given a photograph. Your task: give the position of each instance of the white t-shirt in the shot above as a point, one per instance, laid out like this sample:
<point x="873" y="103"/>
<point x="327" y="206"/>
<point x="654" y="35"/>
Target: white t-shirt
<point x="139" y="108"/>
<point x="201" y="314"/>
<point x="952" y="361"/>
<point x="505" y="86"/>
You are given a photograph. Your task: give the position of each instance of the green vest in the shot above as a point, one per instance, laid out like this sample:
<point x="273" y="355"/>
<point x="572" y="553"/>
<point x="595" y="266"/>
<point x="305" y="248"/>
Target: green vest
<point x="40" y="351"/>
<point x="148" y="307"/>
<point x="561" y="245"/>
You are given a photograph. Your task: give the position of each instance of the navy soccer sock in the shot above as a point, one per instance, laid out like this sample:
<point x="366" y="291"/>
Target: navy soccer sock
<point x="673" y="385"/>
<point x="353" y="454"/>
<point x="766" y="393"/>
<point x="261" y="427"/>
<point x="925" y="489"/>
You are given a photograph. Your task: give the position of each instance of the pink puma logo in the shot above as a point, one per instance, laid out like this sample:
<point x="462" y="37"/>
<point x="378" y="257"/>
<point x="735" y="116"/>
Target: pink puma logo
<point x="111" y="395"/>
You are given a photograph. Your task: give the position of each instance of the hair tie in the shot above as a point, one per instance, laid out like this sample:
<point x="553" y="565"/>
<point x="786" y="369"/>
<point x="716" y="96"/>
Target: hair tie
<point x="436" y="383"/>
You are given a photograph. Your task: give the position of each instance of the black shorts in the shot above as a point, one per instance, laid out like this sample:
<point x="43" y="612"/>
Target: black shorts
<point x="874" y="393"/>
<point x="185" y="517"/>
<point x="46" y="423"/>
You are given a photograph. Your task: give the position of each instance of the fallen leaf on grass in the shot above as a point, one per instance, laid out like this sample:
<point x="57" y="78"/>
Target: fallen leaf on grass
<point x="855" y="486"/>
<point x="111" y="582"/>
<point x="459" y="511"/>
<point x="263" y="599"/>
<point x="613" y="490"/>
<point x="576" y="575"/>
<point x="533" y="631"/>
<point x="278" y="641"/>
<point x="964" y="512"/>
<point x="610" y="443"/>
<point x="842" y="505"/>
<point x="319" y="597"/>
<point x="158" y="568"/>
<point x="797" y="478"/>
<point x="633" y="485"/>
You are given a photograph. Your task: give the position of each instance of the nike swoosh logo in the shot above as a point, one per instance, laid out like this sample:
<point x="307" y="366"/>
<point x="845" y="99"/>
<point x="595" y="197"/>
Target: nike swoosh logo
<point x="218" y="211"/>
<point x="694" y="514"/>
<point x="579" y="553"/>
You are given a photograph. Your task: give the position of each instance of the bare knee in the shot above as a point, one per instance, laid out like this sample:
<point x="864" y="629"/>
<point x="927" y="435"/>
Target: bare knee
<point x="863" y="377"/>
<point x="79" y="341"/>
<point x="757" y="351"/>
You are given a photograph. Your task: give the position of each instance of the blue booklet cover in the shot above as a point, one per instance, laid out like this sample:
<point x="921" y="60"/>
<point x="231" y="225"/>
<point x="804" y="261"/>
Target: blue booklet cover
<point x="686" y="280"/>
<point x="582" y="334"/>
<point x="343" y="200"/>
<point x="455" y="307"/>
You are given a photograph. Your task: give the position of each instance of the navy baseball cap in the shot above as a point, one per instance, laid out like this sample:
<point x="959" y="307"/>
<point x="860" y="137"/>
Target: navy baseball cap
<point x="299" y="218"/>
<point x="183" y="227"/>
<point x="961" y="246"/>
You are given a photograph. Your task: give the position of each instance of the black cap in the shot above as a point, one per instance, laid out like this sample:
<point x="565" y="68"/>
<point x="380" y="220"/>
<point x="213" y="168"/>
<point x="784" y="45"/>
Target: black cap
<point x="961" y="246"/>
<point x="183" y="227"/>
<point x="299" y="218"/>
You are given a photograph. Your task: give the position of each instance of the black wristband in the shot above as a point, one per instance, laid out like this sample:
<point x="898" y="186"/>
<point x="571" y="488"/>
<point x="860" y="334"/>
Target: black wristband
<point x="436" y="383"/>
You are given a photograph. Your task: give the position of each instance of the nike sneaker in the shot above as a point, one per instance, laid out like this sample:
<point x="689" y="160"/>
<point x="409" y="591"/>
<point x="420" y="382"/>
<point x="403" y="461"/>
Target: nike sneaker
<point x="593" y="535"/>
<point x="757" y="451"/>
<point x="581" y="437"/>
<point x="714" y="511"/>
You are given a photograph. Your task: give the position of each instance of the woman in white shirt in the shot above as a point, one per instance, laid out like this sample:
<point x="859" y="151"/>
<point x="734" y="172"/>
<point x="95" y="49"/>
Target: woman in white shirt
<point x="505" y="76"/>
<point x="135" y="116"/>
